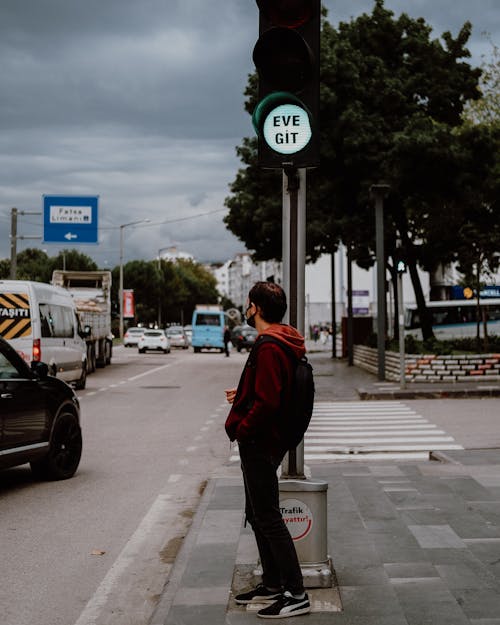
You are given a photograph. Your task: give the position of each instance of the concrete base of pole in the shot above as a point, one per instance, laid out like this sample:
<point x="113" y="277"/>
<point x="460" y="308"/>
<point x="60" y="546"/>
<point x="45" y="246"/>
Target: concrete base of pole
<point x="303" y="506"/>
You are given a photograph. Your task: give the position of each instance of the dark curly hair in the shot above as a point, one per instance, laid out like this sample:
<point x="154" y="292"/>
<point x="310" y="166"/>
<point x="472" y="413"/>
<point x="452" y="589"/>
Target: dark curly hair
<point x="271" y="300"/>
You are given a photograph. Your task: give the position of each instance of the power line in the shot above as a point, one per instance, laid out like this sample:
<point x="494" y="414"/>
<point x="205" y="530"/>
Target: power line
<point x="169" y="221"/>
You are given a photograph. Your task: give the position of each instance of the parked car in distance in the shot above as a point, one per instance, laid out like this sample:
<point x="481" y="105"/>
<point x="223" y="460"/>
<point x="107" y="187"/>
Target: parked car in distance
<point x="177" y="337"/>
<point x="243" y="337"/>
<point x="39" y="418"/>
<point x="154" y="340"/>
<point x="188" y="331"/>
<point x="132" y="336"/>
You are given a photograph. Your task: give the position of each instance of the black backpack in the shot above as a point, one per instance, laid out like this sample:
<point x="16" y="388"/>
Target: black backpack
<point x="297" y="421"/>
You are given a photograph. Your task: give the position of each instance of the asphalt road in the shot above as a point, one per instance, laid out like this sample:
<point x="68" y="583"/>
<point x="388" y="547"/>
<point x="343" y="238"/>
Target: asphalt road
<point x="100" y="545"/>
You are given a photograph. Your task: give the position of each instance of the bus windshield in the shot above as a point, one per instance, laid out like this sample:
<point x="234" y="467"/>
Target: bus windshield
<point x="208" y="319"/>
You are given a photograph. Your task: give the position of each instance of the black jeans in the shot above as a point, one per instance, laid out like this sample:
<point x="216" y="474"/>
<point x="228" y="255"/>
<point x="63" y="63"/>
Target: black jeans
<point x="280" y="565"/>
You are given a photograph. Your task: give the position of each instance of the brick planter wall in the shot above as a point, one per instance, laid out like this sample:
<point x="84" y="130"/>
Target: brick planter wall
<point x="431" y="368"/>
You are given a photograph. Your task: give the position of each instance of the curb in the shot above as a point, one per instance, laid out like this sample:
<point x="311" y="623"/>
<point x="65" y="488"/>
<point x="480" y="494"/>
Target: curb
<point x="460" y="393"/>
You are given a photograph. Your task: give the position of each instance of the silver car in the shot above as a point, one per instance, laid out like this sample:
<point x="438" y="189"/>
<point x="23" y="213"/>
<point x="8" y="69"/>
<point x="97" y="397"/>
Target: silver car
<point x="177" y="337"/>
<point x="155" y="340"/>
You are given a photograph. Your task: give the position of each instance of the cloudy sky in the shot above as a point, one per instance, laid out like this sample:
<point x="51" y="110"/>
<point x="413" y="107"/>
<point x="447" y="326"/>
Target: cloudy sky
<point x="141" y="103"/>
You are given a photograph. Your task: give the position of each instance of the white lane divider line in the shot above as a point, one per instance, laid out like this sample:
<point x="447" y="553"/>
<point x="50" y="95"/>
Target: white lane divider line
<point x="153" y="520"/>
<point x="149" y="372"/>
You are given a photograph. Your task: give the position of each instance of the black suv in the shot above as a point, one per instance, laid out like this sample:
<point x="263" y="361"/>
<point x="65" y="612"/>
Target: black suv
<point x="39" y="418"/>
<point x="243" y="337"/>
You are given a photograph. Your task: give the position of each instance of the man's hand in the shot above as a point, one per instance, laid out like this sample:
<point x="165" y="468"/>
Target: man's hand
<point x="230" y="395"/>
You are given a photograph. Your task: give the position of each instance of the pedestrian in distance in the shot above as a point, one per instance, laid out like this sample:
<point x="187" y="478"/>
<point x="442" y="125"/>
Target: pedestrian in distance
<point x="227" y="340"/>
<point x="256" y="421"/>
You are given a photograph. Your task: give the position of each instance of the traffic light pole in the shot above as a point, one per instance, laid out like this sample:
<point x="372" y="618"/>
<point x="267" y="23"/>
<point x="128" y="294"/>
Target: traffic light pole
<point x="308" y="495"/>
<point x="294" y="256"/>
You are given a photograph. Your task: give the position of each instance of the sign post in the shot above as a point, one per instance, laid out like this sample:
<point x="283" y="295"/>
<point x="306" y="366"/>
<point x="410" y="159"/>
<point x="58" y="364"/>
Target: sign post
<point x="70" y="219"/>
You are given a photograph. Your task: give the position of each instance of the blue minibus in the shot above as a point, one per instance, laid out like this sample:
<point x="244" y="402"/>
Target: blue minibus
<point x="208" y="328"/>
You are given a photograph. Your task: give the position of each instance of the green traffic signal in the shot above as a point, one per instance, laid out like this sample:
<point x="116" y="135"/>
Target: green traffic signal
<point x="283" y="122"/>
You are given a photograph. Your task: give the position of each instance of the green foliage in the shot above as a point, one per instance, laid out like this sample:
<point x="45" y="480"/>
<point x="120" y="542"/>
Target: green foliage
<point x="73" y="260"/>
<point x="33" y="264"/>
<point x="486" y="109"/>
<point x="166" y="291"/>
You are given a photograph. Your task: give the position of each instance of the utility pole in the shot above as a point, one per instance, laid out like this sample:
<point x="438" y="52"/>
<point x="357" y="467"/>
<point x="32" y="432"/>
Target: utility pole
<point x="13" y="243"/>
<point x="14" y="212"/>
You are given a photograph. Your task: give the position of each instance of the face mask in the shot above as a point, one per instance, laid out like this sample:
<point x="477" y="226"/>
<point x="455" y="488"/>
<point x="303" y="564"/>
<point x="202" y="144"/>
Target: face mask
<point x="251" y="319"/>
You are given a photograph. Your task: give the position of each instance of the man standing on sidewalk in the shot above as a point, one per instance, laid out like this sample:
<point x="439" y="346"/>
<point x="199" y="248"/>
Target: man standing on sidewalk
<point x="256" y="420"/>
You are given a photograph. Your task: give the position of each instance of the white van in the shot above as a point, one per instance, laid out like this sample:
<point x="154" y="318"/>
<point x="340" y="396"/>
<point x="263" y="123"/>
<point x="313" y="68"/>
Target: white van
<point x="40" y="321"/>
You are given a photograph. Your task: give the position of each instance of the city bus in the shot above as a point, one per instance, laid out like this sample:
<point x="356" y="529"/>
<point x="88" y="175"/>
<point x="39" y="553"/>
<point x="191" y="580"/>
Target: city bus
<point x="208" y="328"/>
<point x="455" y="318"/>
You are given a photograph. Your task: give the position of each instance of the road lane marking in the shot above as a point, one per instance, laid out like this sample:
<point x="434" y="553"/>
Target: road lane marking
<point x="141" y="375"/>
<point x="152" y="521"/>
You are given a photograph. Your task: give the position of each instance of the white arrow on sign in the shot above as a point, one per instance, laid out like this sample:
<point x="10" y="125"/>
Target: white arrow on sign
<point x="70" y="236"/>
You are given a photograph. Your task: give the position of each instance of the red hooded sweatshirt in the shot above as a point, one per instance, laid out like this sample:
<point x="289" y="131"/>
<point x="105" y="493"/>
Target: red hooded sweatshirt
<point x="264" y="390"/>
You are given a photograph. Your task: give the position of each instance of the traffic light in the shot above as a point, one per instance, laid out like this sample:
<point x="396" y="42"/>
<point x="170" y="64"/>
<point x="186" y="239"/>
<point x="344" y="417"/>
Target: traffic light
<point x="286" y="56"/>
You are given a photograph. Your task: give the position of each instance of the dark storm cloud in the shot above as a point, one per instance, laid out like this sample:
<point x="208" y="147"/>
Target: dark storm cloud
<point x="141" y="103"/>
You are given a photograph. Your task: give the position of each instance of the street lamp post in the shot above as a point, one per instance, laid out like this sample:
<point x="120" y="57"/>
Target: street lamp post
<point x="159" y="269"/>
<point x="122" y="228"/>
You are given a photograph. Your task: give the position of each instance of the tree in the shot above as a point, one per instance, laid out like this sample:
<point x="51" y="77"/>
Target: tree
<point x="166" y="291"/>
<point x="33" y="264"/>
<point x="390" y="93"/>
<point x="72" y="260"/>
<point x="486" y="109"/>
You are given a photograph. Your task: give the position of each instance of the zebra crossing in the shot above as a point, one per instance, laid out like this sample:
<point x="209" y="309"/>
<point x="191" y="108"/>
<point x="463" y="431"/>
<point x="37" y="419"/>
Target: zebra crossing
<point x="363" y="431"/>
<point x="372" y="430"/>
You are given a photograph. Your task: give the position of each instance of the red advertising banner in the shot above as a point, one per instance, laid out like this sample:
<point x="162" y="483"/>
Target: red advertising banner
<point x="128" y="304"/>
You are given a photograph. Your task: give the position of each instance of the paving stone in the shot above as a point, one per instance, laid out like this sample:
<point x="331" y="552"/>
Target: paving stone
<point x="470" y="490"/>
<point x="477" y="603"/>
<point x="458" y="576"/>
<point x="410" y="570"/>
<point x="228" y="498"/>
<point x="409" y="500"/>
<point x="370" y="601"/>
<point x="210" y="565"/>
<point x="473" y="525"/>
<point x="429" y="602"/>
<point x="436" y="536"/>
<point x="489" y="510"/>
<point x="194" y="615"/>
<point x="351" y="574"/>
<point x="220" y="526"/>
<point x="489" y="554"/>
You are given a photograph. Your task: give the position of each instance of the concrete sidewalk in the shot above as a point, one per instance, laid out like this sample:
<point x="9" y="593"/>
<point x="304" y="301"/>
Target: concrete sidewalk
<point x="412" y="543"/>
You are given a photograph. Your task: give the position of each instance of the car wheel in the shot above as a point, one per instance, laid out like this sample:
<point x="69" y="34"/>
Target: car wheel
<point x="81" y="383"/>
<point x="65" y="450"/>
<point x="197" y="350"/>
<point x="141" y="351"/>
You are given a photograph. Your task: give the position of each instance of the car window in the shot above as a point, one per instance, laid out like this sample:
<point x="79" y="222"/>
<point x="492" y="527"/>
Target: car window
<point x="57" y="321"/>
<point x="153" y="333"/>
<point x="7" y="370"/>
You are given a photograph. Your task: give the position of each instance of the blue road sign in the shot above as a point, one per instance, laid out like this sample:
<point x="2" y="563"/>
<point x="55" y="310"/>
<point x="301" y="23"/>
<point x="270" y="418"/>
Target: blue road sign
<point x="70" y="219"/>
